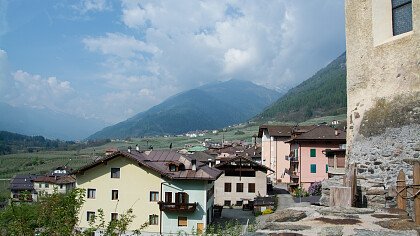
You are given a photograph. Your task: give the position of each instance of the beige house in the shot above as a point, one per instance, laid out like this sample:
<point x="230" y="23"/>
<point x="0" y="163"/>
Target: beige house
<point x="242" y="180"/>
<point x="54" y="183"/>
<point x="165" y="189"/>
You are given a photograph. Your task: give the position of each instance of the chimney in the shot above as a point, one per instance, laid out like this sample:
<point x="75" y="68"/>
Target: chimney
<point x="336" y="132"/>
<point x="137" y="148"/>
<point x="194" y="164"/>
<point x="129" y="149"/>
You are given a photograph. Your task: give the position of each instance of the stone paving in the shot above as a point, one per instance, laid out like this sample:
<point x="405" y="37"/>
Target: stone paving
<point x="293" y="218"/>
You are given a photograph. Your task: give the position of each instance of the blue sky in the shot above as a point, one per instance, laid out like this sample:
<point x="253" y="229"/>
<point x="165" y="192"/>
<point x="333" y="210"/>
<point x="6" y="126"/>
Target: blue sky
<point x="112" y="59"/>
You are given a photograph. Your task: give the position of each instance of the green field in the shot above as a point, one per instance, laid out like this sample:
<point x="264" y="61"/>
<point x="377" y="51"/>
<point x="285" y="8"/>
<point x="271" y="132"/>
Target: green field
<point x="44" y="161"/>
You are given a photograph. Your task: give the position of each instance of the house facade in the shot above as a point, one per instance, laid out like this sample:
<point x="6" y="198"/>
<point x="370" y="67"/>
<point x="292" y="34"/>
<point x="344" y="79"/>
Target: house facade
<point x="383" y="90"/>
<point x="167" y="190"/>
<point x="54" y="183"/>
<point x="242" y="180"/>
<point x="22" y="188"/>
<point x="308" y="161"/>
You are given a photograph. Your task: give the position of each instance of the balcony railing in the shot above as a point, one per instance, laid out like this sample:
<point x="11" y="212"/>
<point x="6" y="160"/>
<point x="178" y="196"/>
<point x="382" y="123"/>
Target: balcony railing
<point x="177" y="207"/>
<point x="294" y="159"/>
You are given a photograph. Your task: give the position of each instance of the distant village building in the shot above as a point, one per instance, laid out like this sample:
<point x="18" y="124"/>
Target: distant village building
<point x="383" y="91"/>
<point x="242" y="181"/>
<point x="22" y="188"/>
<point x="170" y="191"/>
<point x="298" y="154"/>
<point x="29" y="187"/>
<point x="308" y="160"/>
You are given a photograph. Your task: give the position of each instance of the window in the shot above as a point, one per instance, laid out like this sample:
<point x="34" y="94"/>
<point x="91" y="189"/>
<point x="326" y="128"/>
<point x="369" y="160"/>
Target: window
<point x="114" y="216"/>
<point x="402" y="16"/>
<point x="313" y="152"/>
<point x="61" y="186"/>
<point x="313" y="168"/>
<point x="239" y="187"/>
<point x="296" y="152"/>
<point x="251" y="187"/>
<point x="154" y="196"/>
<point x="47" y="185"/>
<point x="115" y="173"/>
<point x="227" y="203"/>
<point x="326" y="168"/>
<point x="153" y="219"/>
<point x="90" y="215"/>
<point x="181" y="197"/>
<point x="239" y="203"/>
<point x="182" y="221"/>
<point x="168" y="197"/>
<point x="91" y="193"/>
<point x="228" y="187"/>
<point x="40" y="185"/>
<point x="173" y="168"/>
<point x="114" y="195"/>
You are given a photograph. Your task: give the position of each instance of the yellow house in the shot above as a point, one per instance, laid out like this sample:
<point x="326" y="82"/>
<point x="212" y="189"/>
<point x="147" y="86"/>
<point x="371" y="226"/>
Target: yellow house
<point x="136" y="180"/>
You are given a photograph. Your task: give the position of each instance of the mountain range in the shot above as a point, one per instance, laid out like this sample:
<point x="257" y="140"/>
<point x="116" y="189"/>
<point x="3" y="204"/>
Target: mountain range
<point x="324" y="94"/>
<point x="212" y="106"/>
<point x="45" y="122"/>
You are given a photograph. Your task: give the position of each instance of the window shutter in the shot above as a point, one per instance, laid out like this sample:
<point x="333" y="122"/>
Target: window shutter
<point x="313" y="168"/>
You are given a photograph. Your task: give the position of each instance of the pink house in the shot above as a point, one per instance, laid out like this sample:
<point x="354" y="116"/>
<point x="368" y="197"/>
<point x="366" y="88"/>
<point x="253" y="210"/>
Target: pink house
<point x="308" y="160"/>
<point x="275" y="150"/>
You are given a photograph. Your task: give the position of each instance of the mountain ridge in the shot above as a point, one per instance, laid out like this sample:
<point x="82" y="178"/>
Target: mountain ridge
<point x="323" y="94"/>
<point x="211" y="106"/>
<point x="45" y="122"/>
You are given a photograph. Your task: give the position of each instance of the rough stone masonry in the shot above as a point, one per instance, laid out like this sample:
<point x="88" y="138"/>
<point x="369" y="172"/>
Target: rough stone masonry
<point x="383" y="94"/>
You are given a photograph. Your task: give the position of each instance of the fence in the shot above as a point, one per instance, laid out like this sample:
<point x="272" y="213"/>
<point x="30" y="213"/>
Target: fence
<point x="403" y="194"/>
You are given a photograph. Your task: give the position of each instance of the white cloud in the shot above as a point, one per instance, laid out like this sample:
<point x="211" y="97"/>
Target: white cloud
<point x="182" y="44"/>
<point x="236" y="59"/>
<point x="85" y="6"/>
<point x="40" y="92"/>
<point x="118" y="45"/>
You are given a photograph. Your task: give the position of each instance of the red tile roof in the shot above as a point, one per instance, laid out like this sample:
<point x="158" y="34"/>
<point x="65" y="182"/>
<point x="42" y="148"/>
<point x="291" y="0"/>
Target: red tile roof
<point x="158" y="161"/>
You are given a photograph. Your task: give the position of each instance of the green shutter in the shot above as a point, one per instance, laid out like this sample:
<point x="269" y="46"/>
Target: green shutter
<point x="313" y="152"/>
<point x="326" y="168"/>
<point x="313" y="168"/>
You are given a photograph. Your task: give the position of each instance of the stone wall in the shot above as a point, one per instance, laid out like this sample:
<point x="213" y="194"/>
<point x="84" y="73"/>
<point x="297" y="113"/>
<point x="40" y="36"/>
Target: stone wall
<point x="383" y="91"/>
<point x="381" y="157"/>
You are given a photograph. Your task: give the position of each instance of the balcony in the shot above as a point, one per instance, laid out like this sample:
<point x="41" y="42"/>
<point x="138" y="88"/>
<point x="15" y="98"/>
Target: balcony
<point x="177" y="207"/>
<point x="294" y="159"/>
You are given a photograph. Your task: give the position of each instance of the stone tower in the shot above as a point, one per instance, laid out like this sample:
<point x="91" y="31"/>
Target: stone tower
<point x="383" y="92"/>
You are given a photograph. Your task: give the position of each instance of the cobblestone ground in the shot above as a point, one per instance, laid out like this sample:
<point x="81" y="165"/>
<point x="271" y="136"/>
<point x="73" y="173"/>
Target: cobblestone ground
<point x="293" y="218"/>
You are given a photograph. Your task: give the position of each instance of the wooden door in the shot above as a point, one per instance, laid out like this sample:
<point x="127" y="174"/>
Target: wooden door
<point x="200" y="228"/>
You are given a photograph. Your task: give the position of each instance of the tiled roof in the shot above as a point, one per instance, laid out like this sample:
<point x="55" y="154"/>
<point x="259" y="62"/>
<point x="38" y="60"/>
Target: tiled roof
<point x="158" y="161"/>
<point x="22" y="182"/>
<point x="322" y="132"/>
<point x="201" y="156"/>
<point x="282" y="130"/>
<point x="228" y="161"/>
<point x="66" y="179"/>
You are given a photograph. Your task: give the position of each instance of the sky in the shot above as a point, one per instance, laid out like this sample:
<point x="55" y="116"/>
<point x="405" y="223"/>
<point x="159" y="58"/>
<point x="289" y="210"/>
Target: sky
<point x="110" y="60"/>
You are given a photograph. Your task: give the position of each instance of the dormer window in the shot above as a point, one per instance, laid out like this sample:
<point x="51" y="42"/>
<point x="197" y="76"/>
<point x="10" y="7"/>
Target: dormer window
<point x="173" y="168"/>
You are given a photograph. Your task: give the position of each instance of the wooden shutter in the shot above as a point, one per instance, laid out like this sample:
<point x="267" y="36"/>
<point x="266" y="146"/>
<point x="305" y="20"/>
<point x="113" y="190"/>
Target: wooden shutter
<point x="168" y="197"/>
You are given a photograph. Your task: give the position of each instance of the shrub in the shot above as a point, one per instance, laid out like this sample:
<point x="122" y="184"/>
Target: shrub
<point x="315" y="189"/>
<point x="267" y="211"/>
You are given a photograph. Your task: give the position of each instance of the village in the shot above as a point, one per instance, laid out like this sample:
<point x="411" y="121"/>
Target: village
<point x="359" y="176"/>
